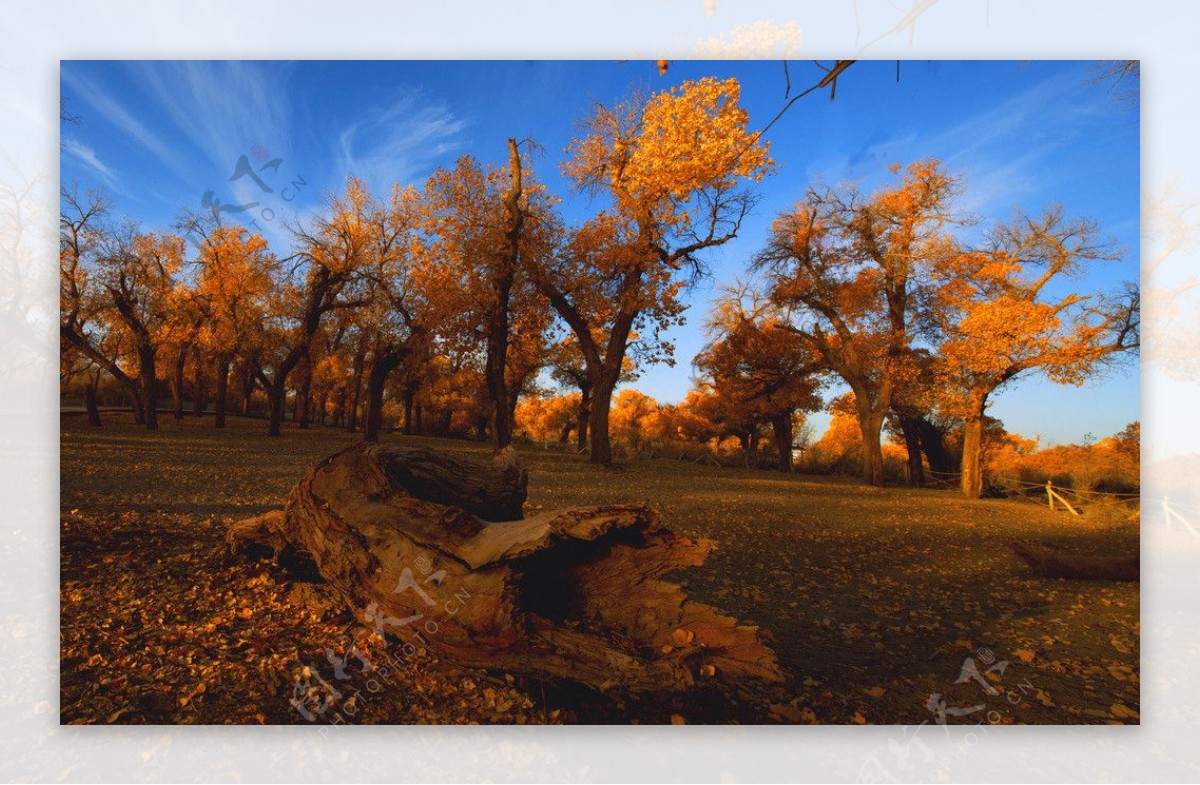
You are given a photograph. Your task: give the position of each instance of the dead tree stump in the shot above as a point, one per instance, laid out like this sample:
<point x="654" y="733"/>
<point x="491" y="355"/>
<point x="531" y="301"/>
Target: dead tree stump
<point x="431" y="547"/>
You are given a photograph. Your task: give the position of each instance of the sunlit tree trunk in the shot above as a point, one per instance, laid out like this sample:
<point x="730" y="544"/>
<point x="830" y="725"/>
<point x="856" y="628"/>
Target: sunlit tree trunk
<point x="497" y="320"/>
<point x="871" y="425"/>
<point x="972" y="457"/>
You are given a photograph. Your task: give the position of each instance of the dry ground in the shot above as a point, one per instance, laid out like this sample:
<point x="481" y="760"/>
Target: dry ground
<point x="874" y="599"/>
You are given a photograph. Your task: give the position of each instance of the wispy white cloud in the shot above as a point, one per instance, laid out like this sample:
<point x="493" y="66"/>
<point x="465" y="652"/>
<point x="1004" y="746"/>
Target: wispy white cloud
<point x="399" y="142"/>
<point x="116" y="114"/>
<point x="88" y="156"/>
<point x="220" y="111"/>
<point x="1005" y="152"/>
<point x="223" y="108"/>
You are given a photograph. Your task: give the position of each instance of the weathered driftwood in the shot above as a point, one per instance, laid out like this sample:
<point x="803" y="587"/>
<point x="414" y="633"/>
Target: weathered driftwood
<point x="1049" y="562"/>
<point x="431" y="548"/>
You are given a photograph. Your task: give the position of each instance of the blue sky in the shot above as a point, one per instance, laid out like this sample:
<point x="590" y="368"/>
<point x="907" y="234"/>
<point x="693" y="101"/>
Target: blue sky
<point x="158" y="135"/>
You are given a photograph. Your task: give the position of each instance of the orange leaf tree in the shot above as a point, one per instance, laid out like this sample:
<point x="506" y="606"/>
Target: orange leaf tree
<point x="324" y="275"/>
<point x="848" y="269"/>
<point x="489" y="225"/>
<point x="138" y="274"/>
<point x="234" y="283"/>
<point x="671" y="168"/>
<point x="1005" y="315"/>
<point x="766" y="373"/>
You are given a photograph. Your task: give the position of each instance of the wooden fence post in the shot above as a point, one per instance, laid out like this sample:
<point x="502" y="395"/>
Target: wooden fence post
<point x="1053" y="494"/>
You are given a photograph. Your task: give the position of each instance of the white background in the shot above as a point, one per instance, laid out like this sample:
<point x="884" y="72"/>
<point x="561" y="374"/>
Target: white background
<point x="35" y="36"/>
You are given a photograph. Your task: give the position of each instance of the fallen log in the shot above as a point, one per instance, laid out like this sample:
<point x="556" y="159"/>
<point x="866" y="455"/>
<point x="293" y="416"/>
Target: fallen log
<point x="431" y="548"/>
<point x="1047" y="562"/>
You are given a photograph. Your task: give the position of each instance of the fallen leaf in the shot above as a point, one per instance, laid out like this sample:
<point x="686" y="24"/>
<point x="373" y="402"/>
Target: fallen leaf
<point x="1124" y="712"/>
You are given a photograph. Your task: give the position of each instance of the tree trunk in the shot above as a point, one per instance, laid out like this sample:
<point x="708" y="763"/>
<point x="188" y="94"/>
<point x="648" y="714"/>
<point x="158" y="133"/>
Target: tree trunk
<point x="598" y="424"/>
<point x="781" y="429"/>
<point x="934" y="446"/>
<point x="149" y="393"/>
<point x="138" y="404"/>
<point x="247" y="390"/>
<point x="496" y="325"/>
<point x="222" y="390"/>
<point x="381" y="366"/>
<point x="972" y="457"/>
<point x="91" y="400"/>
<point x="277" y="397"/>
<point x="399" y="533"/>
<point x="177" y="383"/>
<point x="564" y="436"/>
<point x="321" y="406"/>
<point x="871" y="424"/>
<point x="912" y="443"/>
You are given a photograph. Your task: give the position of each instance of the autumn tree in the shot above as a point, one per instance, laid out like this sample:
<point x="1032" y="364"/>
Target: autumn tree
<point x="671" y="168"/>
<point x="235" y="275"/>
<point x="322" y="276"/>
<point x="82" y="299"/>
<point x="548" y="419"/>
<point x="567" y="368"/>
<point x="185" y="323"/>
<point x="399" y="297"/>
<point x="489" y="224"/>
<point x="848" y="267"/>
<point x="637" y="423"/>
<point x="134" y="275"/>
<point x="1006" y="316"/>
<point x="764" y="370"/>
